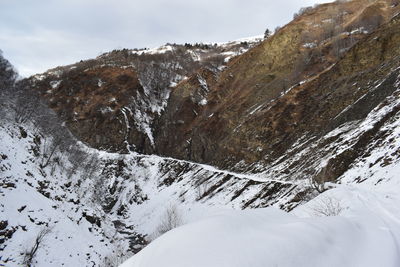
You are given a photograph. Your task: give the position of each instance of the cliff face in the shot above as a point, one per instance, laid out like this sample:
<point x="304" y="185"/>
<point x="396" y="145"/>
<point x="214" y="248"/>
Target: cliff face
<point x="328" y="68"/>
<point x="98" y="99"/>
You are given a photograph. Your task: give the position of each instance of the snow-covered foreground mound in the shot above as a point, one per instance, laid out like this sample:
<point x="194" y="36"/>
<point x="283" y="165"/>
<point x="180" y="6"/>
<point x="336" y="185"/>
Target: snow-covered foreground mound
<point x="367" y="233"/>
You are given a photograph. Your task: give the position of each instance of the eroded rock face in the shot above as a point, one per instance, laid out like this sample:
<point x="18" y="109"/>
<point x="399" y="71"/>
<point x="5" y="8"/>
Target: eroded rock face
<point x="93" y="104"/>
<point x="187" y="102"/>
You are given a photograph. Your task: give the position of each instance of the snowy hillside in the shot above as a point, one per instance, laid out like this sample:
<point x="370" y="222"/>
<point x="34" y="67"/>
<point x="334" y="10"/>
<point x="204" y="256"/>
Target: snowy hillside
<point x="354" y="224"/>
<point x="362" y="227"/>
<point x="34" y="199"/>
<point x="362" y="235"/>
<point x="103" y="206"/>
<point x="112" y="205"/>
<point x="108" y="206"/>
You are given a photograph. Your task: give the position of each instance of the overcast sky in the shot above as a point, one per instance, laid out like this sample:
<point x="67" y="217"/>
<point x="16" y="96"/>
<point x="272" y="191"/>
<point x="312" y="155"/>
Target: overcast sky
<point x="36" y="35"/>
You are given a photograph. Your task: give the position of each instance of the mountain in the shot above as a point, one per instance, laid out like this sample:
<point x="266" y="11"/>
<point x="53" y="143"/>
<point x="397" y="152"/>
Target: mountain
<point x="121" y="148"/>
<point x="283" y="89"/>
<point x="250" y="100"/>
<point x="123" y="93"/>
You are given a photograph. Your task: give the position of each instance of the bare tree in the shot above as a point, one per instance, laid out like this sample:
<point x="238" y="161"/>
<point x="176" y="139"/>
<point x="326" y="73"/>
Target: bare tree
<point x="30" y="253"/>
<point x="7" y="82"/>
<point x="25" y="102"/>
<point x="49" y="147"/>
<point x="267" y="33"/>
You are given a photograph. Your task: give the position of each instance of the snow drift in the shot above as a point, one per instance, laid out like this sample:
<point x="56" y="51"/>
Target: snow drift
<point x="362" y="236"/>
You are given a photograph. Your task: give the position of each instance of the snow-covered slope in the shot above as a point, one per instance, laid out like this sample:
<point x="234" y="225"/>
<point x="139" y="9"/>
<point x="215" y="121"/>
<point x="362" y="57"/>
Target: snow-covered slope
<point x="361" y="228"/>
<point x="33" y="199"/>
<point x="109" y="205"/>
<point x="112" y="204"/>
<point x="364" y="229"/>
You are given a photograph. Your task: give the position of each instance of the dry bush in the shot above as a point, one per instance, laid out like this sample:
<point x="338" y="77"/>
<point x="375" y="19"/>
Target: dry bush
<point x="171" y="219"/>
<point x="327" y="206"/>
<point x="202" y="189"/>
<point x="115" y="259"/>
<point x="30" y="253"/>
<point x="302" y="11"/>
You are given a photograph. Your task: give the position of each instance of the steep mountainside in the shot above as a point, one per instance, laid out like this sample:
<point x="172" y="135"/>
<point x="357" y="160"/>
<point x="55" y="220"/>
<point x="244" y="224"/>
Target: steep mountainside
<point x="262" y="103"/>
<point x="101" y="207"/>
<point x="181" y="101"/>
<point x="121" y="94"/>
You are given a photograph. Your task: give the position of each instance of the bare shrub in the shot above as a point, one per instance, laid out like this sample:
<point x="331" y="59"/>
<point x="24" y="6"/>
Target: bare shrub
<point x="115" y="259"/>
<point x="202" y="189"/>
<point x="49" y="147"/>
<point x="30" y="253"/>
<point x="7" y="82"/>
<point x="327" y="206"/>
<point x="25" y="103"/>
<point x="302" y="11"/>
<point x="171" y="219"/>
<point x="319" y="187"/>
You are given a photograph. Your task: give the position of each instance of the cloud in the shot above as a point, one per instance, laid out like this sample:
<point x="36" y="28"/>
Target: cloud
<point x="37" y="35"/>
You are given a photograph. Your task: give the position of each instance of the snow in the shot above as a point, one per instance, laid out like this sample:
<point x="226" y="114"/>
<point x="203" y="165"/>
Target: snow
<point x="327" y="20"/>
<point x="203" y="102"/>
<point x="55" y="84"/>
<point x="359" y="30"/>
<point x="157" y="50"/>
<point x="203" y="83"/>
<point x="366" y="232"/>
<point x="309" y="45"/>
<point x="362" y="227"/>
<point x="251" y="39"/>
<point x="100" y="83"/>
<point x="270" y="237"/>
<point x="39" y="77"/>
<point x="72" y="241"/>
